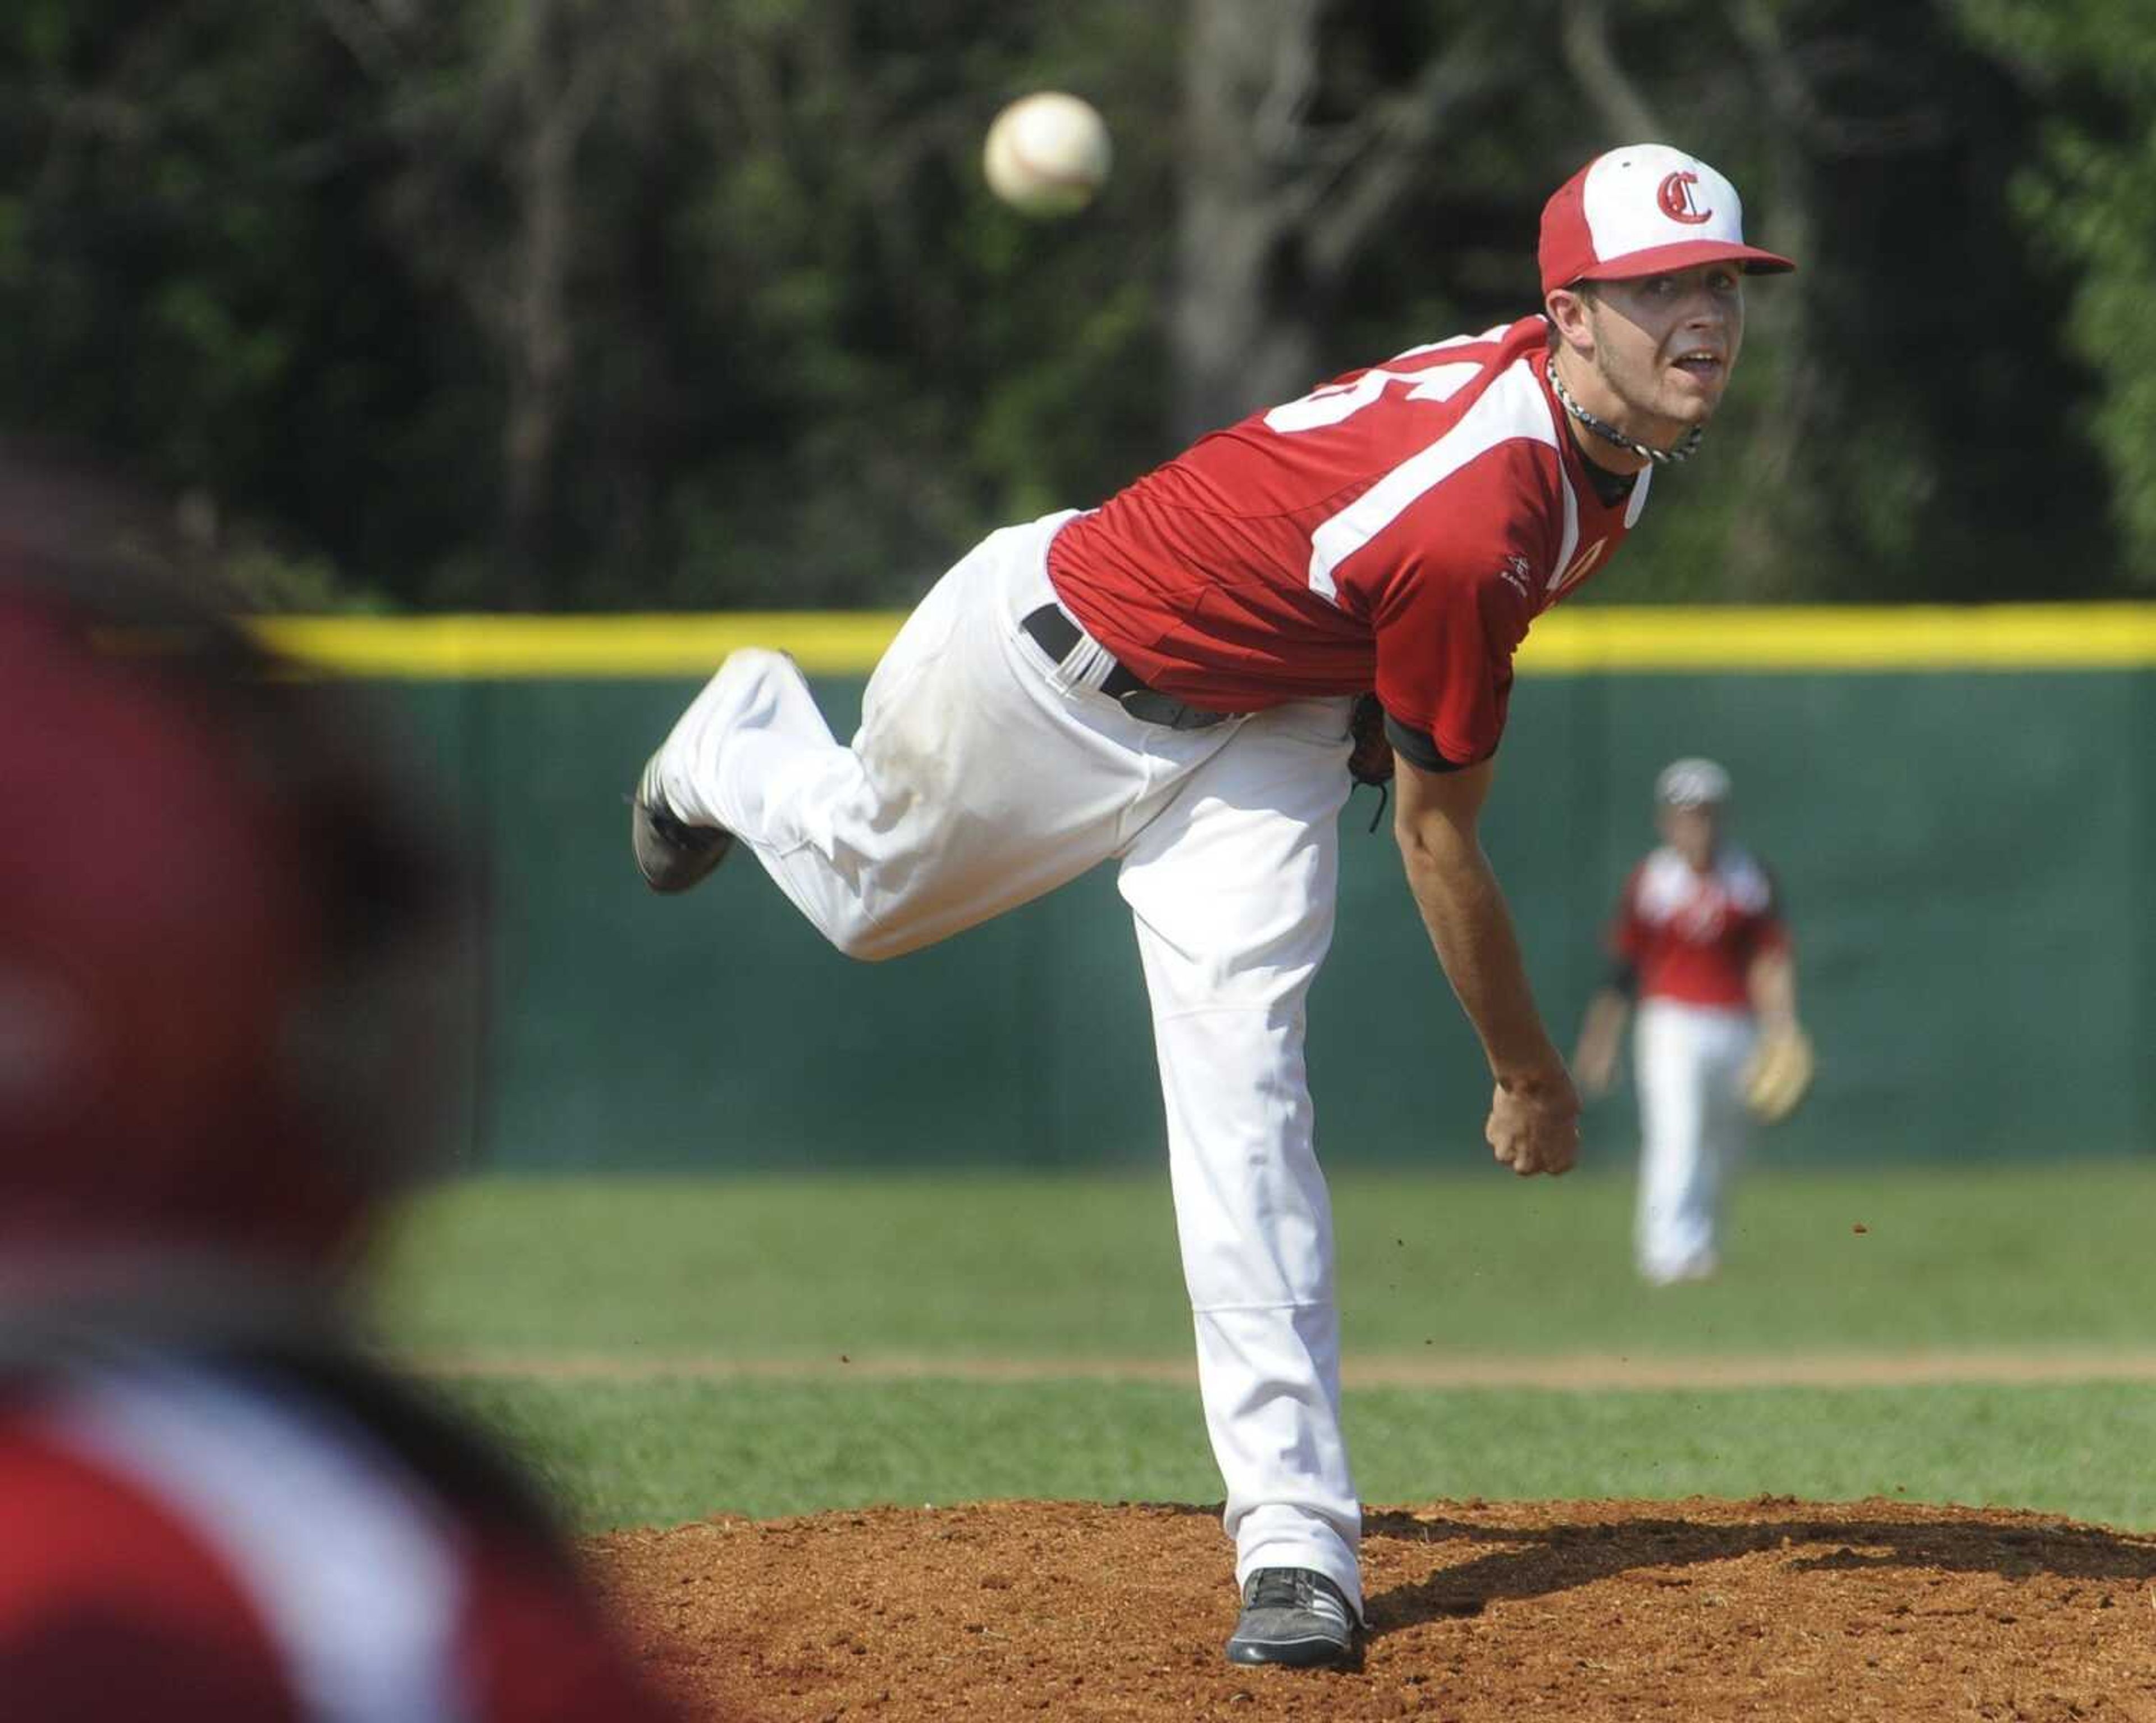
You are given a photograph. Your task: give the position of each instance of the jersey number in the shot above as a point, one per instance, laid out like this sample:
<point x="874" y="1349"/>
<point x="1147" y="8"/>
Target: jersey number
<point x="1339" y="401"/>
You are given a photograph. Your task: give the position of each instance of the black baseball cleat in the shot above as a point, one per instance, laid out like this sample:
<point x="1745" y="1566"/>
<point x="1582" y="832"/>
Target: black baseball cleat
<point x="1297" y="1617"/>
<point x="671" y="854"/>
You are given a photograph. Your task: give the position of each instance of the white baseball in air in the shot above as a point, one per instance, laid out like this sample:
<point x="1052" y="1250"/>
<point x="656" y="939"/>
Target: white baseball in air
<point x="1047" y="154"/>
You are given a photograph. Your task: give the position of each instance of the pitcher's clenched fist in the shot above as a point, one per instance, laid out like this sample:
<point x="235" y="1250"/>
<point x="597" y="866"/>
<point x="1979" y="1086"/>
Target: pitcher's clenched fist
<point x="1534" y="1124"/>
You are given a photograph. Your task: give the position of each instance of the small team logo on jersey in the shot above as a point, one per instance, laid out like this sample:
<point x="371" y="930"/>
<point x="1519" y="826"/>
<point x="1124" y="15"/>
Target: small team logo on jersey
<point x="1676" y="199"/>
<point x="1517" y="574"/>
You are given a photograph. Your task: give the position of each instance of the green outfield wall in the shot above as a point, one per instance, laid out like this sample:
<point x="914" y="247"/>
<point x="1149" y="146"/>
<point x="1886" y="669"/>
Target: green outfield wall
<point x="1961" y="805"/>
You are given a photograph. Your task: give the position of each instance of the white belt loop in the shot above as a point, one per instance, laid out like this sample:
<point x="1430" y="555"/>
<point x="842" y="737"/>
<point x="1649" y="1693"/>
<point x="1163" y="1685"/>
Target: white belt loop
<point x="1084" y="667"/>
<point x="1090" y="663"/>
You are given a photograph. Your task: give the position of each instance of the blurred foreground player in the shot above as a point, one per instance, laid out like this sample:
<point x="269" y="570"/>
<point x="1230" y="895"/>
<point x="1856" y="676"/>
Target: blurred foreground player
<point x="1698" y="938"/>
<point x="230" y="953"/>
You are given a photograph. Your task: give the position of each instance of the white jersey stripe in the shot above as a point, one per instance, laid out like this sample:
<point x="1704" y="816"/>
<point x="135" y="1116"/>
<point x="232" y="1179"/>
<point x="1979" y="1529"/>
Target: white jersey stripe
<point x="1512" y="406"/>
<point x="1639" y="502"/>
<point x="356" y="1587"/>
<point x="1570" y="541"/>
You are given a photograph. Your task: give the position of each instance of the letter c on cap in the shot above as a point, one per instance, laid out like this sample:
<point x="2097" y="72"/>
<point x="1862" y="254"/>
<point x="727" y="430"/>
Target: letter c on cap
<point x="1675" y="198"/>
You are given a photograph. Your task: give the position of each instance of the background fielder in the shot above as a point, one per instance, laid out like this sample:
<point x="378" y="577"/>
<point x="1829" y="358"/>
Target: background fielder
<point x="1166" y="682"/>
<point x="1699" y="939"/>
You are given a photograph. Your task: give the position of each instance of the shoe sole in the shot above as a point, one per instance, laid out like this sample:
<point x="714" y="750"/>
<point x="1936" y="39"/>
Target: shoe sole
<point x="1312" y="1654"/>
<point x="673" y="874"/>
<point x="669" y="868"/>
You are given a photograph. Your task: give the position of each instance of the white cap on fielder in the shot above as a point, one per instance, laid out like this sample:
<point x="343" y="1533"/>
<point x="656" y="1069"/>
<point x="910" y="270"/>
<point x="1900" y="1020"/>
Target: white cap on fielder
<point x="1646" y="210"/>
<point x="1692" y="783"/>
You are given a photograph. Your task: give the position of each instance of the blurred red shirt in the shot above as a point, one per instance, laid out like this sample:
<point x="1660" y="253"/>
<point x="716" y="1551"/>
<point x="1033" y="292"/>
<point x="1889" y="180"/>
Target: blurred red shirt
<point x="182" y="1545"/>
<point x="1692" y="934"/>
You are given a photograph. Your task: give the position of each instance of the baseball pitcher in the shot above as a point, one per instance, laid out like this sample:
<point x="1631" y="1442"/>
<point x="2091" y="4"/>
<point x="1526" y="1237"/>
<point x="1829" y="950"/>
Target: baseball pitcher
<point x="1167" y="681"/>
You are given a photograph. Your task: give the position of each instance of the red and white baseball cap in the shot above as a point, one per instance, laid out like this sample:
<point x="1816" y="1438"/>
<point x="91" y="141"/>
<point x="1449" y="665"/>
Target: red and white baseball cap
<point x="1643" y="210"/>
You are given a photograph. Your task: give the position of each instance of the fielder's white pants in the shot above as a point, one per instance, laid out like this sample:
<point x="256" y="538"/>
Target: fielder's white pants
<point x="1692" y="1128"/>
<point x="982" y="775"/>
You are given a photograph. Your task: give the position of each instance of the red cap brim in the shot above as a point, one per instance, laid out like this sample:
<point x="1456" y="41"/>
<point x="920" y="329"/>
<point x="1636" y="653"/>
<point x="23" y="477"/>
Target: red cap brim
<point x="1689" y="253"/>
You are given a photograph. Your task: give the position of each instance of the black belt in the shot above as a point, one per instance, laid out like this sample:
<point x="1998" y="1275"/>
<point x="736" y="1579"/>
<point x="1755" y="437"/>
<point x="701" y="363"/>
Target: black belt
<point x="1055" y="634"/>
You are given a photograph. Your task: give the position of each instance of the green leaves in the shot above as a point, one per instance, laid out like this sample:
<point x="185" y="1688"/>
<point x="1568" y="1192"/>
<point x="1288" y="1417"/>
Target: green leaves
<point x="565" y="303"/>
<point x="2088" y="197"/>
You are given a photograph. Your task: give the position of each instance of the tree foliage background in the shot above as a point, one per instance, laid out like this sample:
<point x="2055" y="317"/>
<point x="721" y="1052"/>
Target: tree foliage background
<point x="647" y="304"/>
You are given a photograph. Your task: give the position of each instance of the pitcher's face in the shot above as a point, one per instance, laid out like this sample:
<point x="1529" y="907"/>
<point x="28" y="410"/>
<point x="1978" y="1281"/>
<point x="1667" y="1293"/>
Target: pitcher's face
<point x="1665" y="346"/>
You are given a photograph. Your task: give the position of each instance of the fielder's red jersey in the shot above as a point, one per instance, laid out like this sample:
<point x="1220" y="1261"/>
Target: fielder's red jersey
<point x="1398" y="529"/>
<point x="1691" y="935"/>
<point x="176" y="1545"/>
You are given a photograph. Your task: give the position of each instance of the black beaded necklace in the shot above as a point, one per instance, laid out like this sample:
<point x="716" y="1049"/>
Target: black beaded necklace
<point x="1609" y="433"/>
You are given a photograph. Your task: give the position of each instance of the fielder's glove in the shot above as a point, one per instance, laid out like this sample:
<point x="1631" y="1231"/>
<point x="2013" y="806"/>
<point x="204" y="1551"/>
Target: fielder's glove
<point x="1371" y="759"/>
<point x="1778" y="1074"/>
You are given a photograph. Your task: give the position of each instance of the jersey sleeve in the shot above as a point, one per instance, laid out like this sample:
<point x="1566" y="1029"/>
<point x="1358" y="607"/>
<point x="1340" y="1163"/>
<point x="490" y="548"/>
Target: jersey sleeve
<point x="1765" y="930"/>
<point x="1466" y="566"/>
<point x="1445" y="657"/>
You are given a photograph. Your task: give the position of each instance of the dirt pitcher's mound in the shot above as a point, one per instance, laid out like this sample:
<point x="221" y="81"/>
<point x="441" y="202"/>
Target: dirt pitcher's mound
<point x="1583" y="1612"/>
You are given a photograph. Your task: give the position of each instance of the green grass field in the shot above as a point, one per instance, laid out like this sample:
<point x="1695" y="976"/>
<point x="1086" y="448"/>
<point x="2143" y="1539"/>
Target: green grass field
<point x="845" y="1296"/>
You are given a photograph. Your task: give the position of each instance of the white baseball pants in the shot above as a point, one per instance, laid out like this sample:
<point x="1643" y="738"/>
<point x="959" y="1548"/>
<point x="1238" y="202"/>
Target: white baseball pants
<point x="1693" y="1128"/>
<point x="982" y="775"/>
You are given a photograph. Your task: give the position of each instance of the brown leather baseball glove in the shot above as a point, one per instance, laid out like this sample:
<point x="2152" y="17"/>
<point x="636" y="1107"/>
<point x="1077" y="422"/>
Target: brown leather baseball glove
<point x="1779" y="1074"/>
<point x="1371" y="760"/>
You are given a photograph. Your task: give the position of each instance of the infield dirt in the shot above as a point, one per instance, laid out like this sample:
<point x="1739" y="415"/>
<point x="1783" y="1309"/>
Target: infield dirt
<point x="1587" y="1612"/>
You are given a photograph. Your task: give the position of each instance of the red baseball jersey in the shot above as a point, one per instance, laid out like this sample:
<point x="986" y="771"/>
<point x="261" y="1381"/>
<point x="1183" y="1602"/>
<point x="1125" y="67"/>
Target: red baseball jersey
<point x="1691" y="935"/>
<point x="182" y="1547"/>
<point x="1398" y="529"/>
